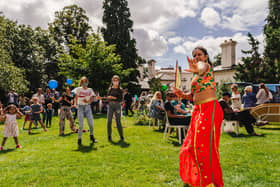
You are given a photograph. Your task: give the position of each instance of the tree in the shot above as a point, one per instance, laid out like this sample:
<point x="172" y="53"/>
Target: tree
<point x="50" y="50"/>
<point x="253" y="69"/>
<point x="10" y="76"/>
<point x="27" y="54"/>
<point x="217" y="60"/>
<point x="155" y="84"/>
<point x="97" y="61"/>
<point x="272" y="38"/>
<point x="69" y="23"/>
<point x="117" y="31"/>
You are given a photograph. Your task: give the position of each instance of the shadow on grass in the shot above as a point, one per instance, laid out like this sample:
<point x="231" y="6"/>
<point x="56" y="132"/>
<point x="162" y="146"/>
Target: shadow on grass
<point x="33" y="133"/>
<point x="86" y="149"/>
<point x="98" y="116"/>
<point x="176" y="143"/>
<point x="232" y="134"/>
<point x="141" y="123"/>
<point x="267" y="128"/>
<point x="68" y="134"/>
<point x="120" y="143"/>
<point x="160" y="130"/>
<point x="6" y="151"/>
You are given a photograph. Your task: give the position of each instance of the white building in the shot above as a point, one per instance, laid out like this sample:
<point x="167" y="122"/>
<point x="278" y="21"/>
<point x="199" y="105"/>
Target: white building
<point x="224" y="72"/>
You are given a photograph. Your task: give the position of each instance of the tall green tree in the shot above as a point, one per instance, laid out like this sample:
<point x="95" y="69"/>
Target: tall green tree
<point x="96" y="60"/>
<point x="71" y="22"/>
<point x="50" y="51"/>
<point x="117" y="31"/>
<point x="10" y="75"/>
<point x="27" y="54"/>
<point x="252" y="69"/>
<point x="272" y="38"/>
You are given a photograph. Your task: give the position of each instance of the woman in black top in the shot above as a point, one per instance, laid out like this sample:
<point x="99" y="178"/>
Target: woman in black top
<point x="66" y="101"/>
<point x="115" y="96"/>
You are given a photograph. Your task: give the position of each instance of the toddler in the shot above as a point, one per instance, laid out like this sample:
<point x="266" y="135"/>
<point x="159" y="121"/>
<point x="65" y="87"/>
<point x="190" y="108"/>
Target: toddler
<point x="11" y="126"/>
<point x="49" y="113"/>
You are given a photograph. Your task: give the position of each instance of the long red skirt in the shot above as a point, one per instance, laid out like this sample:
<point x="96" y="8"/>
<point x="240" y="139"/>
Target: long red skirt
<point x="199" y="154"/>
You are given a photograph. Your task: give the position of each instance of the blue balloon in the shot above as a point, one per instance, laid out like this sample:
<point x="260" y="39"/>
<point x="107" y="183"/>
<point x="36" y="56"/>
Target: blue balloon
<point x="69" y="81"/>
<point x="52" y="84"/>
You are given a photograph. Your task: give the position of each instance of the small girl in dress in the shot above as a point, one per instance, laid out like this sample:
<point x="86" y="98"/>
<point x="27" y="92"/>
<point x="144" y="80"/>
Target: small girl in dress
<point x="11" y="126"/>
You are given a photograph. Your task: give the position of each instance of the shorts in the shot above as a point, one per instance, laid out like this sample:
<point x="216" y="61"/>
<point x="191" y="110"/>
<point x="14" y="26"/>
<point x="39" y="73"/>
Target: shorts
<point x="35" y="117"/>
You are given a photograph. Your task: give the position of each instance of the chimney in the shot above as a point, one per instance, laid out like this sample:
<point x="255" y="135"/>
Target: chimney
<point x="228" y="53"/>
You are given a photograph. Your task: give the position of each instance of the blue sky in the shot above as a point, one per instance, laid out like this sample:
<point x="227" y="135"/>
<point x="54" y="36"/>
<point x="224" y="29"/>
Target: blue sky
<point x="165" y="30"/>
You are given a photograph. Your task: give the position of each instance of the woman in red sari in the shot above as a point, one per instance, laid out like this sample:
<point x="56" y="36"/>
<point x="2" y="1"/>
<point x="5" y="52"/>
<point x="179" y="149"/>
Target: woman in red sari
<point x="199" y="154"/>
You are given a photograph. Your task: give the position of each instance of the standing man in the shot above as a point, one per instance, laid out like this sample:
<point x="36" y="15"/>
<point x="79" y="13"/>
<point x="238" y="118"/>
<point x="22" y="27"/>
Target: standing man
<point x="55" y="105"/>
<point x="12" y="97"/>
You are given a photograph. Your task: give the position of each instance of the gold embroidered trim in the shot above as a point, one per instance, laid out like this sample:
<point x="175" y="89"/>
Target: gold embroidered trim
<point x="205" y="100"/>
<point x="211" y="137"/>
<point x="209" y="185"/>
<point x="195" y="147"/>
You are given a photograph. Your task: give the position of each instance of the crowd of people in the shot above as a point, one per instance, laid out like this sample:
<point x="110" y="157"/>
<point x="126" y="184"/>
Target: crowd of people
<point x="199" y="155"/>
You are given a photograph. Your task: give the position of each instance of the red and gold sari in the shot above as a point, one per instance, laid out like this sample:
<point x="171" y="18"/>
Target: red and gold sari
<point x="199" y="154"/>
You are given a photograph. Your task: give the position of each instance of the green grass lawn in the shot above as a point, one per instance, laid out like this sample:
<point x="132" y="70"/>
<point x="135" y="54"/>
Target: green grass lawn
<point x="145" y="159"/>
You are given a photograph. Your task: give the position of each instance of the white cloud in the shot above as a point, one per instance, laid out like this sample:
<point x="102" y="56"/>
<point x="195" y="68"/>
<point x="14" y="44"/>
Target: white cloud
<point x="154" y="20"/>
<point x="150" y="43"/>
<point x="212" y="44"/>
<point x="159" y="15"/>
<point x="175" y="40"/>
<point x="236" y="15"/>
<point x="210" y="17"/>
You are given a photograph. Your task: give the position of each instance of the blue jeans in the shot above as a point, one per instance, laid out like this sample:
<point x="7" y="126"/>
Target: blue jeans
<point x="84" y="111"/>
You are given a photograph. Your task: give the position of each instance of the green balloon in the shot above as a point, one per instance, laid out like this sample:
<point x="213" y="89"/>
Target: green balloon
<point x="164" y="87"/>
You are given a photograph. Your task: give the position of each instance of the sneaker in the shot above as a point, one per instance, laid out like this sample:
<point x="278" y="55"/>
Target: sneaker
<point x="255" y="134"/>
<point x="93" y="139"/>
<point x="29" y="132"/>
<point x="46" y="130"/>
<point x="79" y="142"/>
<point x="1" y="148"/>
<point x="261" y="123"/>
<point x="18" y="146"/>
<point x="109" y="138"/>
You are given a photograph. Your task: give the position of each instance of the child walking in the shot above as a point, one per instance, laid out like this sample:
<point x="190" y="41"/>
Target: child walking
<point x="49" y="114"/>
<point x="11" y="126"/>
<point x="36" y="109"/>
<point x="27" y="111"/>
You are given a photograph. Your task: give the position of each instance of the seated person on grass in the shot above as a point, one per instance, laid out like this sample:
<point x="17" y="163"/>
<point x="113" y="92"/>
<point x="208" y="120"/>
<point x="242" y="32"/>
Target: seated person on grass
<point x="244" y="117"/>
